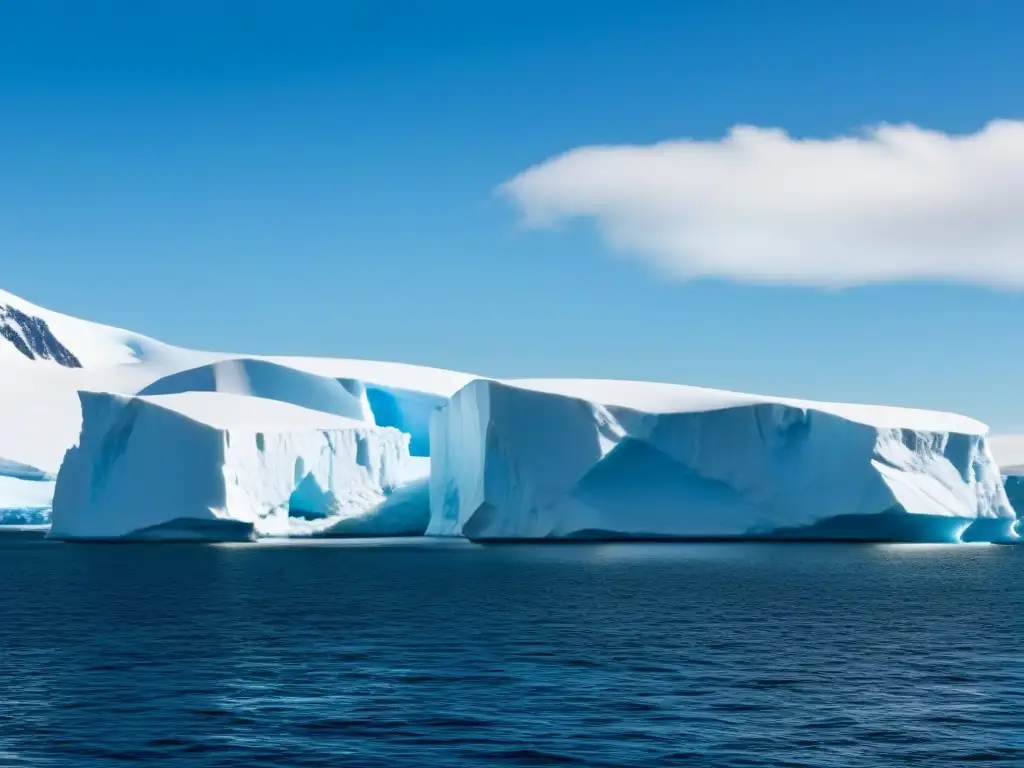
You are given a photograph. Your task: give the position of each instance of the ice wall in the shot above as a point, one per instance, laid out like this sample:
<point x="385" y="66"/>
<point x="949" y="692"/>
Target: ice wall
<point x="218" y="466"/>
<point x="405" y="512"/>
<point x="406" y="409"/>
<point x="522" y="463"/>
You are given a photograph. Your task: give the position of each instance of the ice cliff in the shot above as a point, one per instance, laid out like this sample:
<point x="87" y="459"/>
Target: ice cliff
<point x="217" y="466"/>
<point x="600" y="459"/>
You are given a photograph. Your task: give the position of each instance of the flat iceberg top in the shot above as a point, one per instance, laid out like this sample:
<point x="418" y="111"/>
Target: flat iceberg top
<point x="654" y="397"/>
<point x="222" y="410"/>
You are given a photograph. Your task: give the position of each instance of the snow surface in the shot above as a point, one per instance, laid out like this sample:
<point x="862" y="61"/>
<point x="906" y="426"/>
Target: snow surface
<point x="42" y="414"/>
<point x="216" y="466"/>
<point x="579" y="459"/>
<point x="92" y="344"/>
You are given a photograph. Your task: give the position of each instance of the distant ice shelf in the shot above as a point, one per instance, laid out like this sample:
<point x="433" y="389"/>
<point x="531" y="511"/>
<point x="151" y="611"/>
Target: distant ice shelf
<point x="596" y="459"/>
<point x="26" y="494"/>
<point x="215" y="466"/>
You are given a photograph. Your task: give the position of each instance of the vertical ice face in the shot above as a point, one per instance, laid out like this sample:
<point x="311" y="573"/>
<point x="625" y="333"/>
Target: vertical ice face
<point x="205" y="465"/>
<point x="407" y="410"/>
<point x="521" y="462"/>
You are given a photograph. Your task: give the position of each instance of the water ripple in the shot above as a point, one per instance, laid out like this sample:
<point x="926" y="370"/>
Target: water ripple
<point x="438" y="655"/>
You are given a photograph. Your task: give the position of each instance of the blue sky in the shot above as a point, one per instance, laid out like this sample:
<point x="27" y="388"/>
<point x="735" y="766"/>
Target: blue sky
<point x="320" y="178"/>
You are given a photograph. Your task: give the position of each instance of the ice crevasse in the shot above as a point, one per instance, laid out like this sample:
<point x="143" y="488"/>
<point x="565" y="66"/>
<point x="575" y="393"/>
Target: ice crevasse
<point x="217" y="466"/>
<point x="556" y="459"/>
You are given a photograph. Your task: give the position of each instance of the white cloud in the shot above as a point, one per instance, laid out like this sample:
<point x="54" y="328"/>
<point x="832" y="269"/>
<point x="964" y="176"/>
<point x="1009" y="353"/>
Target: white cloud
<point x="895" y="203"/>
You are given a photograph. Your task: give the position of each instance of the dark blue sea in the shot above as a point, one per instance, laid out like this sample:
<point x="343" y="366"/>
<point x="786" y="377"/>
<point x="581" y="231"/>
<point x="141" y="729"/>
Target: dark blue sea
<point x="425" y="653"/>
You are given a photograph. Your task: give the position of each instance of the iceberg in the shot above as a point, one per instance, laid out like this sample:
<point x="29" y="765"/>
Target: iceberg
<point x="156" y="441"/>
<point x="215" y="466"/>
<point x="575" y="459"/>
<point x="42" y="416"/>
<point x="273" y="381"/>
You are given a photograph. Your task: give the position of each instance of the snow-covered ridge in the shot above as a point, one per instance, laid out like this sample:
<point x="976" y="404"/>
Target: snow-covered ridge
<point x="71" y="342"/>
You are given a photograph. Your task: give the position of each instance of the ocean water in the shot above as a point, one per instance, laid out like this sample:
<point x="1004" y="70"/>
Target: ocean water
<point x="426" y="653"/>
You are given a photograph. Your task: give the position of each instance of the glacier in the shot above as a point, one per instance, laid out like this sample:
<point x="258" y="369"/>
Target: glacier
<point x="405" y="408"/>
<point x="218" y="466"/>
<point x="565" y="459"/>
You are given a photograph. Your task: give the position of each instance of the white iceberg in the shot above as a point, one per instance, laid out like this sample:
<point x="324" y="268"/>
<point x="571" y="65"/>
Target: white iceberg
<point x="261" y="378"/>
<point x="603" y="459"/>
<point x="216" y="466"/>
<point x="42" y="416"/>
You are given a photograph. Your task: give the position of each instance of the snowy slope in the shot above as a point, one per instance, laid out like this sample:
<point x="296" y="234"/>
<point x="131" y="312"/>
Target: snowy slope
<point x="90" y="344"/>
<point x="260" y="378"/>
<point x="41" y="416"/>
<point x="556" y="459"/>
<point x="215" y="466"/>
